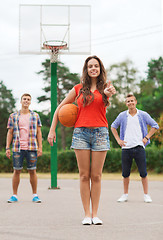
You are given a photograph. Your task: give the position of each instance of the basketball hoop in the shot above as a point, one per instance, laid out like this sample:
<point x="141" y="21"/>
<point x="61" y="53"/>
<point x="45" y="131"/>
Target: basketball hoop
<point x="55" y="46"/>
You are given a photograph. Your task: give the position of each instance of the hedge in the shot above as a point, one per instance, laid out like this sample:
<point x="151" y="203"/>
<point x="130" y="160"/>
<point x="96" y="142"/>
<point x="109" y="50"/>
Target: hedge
<point x="67" y="161"/>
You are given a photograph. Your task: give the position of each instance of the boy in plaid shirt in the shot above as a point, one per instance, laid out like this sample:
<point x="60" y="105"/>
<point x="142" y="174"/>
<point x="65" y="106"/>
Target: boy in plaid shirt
<point x="24" y="131"/>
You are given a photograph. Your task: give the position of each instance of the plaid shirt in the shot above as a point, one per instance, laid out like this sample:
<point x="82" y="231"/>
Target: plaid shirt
<point x="34" y="122"/>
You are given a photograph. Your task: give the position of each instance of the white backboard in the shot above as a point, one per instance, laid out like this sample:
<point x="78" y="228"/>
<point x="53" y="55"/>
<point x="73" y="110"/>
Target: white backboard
<point x="40" y="23"/>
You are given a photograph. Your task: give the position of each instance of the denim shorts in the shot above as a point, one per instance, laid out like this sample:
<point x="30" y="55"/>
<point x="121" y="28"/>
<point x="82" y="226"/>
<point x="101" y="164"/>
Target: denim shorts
<point x="137" y="153"/>
<point x="95" y="139"/>
<point x="31" y="158"/>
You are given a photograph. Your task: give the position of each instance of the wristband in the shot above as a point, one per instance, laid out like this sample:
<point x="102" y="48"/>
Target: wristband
<point x="7" y="148"/>
<point x="147" y="138"/>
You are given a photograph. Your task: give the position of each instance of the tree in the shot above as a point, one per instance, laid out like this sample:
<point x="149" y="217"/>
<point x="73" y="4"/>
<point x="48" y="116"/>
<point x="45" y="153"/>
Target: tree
<point x="66" y="81"/>
<point x="151" y="89"/>
<point x="158" y="136"/>
<point x="151" y="95"/>
<point x="7" y="106"/>
<point x="124" y="77"/>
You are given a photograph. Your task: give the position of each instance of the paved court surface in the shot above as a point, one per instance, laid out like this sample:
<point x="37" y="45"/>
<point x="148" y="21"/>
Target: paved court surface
<point x="59" y="215"/>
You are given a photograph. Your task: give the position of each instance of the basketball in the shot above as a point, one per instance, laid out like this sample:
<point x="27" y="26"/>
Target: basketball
<point x="68" y="114"/>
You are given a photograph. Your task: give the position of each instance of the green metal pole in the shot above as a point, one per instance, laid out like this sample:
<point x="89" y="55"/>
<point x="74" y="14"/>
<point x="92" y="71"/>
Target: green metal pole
<point x="53" y="108"/>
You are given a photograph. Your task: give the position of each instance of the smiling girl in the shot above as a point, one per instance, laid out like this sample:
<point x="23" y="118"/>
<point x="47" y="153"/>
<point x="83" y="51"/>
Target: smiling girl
<point x="90" y="139"/>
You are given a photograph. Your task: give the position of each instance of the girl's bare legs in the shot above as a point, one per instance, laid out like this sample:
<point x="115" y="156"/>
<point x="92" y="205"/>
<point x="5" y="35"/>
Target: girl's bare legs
<point x="98" y="159"/>
<point x="83" y="160"/>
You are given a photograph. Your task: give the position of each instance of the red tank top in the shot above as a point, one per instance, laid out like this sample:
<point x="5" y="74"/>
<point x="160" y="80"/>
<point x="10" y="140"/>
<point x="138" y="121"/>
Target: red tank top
<point x="92" y="115"/>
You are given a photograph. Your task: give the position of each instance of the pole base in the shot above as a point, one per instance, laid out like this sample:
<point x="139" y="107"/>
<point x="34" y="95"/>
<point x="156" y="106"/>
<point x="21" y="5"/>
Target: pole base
<point x="54" y="188"/>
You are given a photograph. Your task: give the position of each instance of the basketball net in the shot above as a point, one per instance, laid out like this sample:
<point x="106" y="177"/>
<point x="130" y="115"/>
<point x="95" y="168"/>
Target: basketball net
<point x="54" y="55"/>
<point x="54" y="46"/>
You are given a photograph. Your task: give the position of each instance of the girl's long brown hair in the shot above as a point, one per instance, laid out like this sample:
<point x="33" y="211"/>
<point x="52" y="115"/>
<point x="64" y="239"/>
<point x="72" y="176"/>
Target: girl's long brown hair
<point x="86" y="82"/>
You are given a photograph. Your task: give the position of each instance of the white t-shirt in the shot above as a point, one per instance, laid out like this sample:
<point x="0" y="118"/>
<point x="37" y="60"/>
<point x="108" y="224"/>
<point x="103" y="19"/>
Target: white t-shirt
<point x="133" y="134"/>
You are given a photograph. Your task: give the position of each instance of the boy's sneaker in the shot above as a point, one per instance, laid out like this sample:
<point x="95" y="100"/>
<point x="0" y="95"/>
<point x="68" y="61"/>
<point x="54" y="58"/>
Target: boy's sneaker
<point x="123" y="198"/>
<point x="36" y="199"/>
<point x="147" y="198"/>
<point x="12" y="199"/>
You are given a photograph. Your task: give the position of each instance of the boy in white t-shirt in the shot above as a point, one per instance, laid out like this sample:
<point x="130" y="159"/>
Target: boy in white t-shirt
<point x="134" y="136"/>
<point x="24" y="131"/>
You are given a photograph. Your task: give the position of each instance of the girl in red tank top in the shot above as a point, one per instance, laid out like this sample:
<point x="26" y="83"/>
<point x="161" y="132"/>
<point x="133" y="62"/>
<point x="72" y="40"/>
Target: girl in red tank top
<point x="90" y="138"/>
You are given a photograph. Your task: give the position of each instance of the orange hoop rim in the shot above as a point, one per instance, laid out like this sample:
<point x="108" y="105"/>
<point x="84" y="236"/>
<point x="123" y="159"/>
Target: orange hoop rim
<point x="54" y="45"/>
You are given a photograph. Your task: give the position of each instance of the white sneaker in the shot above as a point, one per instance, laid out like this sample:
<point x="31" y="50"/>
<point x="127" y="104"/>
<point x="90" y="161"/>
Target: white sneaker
<point x="96" y="221"/>
<point x="147" y="198"/>
<point x="123" y="198"/>
<point x="87" y="221"/>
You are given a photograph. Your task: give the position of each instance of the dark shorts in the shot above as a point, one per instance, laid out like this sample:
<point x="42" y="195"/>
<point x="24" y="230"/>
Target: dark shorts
<point x="31" y="158"/>
<point x="137" y="153"/>
<point x="94" y="139"/>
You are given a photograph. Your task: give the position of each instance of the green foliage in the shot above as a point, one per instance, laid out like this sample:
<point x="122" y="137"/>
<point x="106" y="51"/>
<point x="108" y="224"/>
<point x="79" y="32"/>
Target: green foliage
<point x="45" y="118"/>
<point x="46" y="146"/>
<point x="45" y="131"/>
<point x="67" y="135"/>
<point x="67" y="161"/>
<point x="154" y="158"/>
<point x="6" y="164"/>
<point x="7" y="106"/>
<point x="65" y="80"/>
<point x="150" y="98"/>
<point x="155" y="70"/>
<point x="158" y="136"/>
<point x="113" y="161"/>
<point x="112" y="113"/>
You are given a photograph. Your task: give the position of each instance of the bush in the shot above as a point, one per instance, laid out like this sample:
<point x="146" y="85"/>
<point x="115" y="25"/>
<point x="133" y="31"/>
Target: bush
<point x="113" y="161"/>
<point x="154" y="158"/>
<point x="67" y="161"/>
<point x="5" y="163"/>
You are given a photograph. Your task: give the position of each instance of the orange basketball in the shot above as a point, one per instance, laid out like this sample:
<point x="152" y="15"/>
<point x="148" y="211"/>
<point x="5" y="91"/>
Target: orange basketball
<point x="68" y="114"/>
